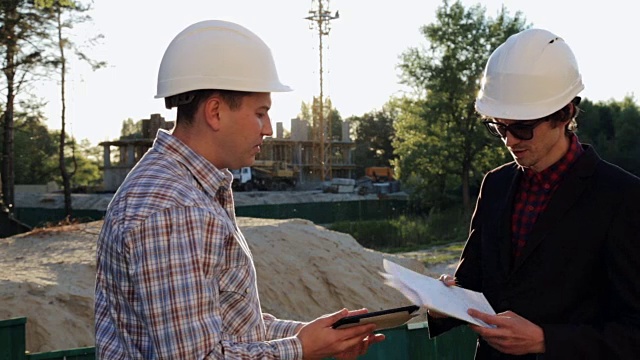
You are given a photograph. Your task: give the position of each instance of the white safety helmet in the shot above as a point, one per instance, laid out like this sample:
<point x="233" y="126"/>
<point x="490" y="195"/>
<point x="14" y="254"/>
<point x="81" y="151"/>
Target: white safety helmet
<point x="219" y="55"/>
<point x="531" y="75"/>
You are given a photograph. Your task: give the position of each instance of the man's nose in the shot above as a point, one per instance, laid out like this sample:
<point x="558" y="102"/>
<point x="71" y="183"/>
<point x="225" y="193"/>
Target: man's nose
<point x="510" y="140"/>
<point x="267" y="129"/>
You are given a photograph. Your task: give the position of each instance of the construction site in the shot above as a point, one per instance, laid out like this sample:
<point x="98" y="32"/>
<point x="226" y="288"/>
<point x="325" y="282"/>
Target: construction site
<point x="309" y="157"/>
<point x="302" y="180"/>
<point x="308" y="161"/>
<point x="284" y="162"/>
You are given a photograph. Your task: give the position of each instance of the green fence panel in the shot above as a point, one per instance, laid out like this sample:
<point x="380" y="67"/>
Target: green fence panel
<point x="86" y="353"/>
<point x="411" y="342"/>
<point x="38" y="217"/>
<point x="327" y="212"/>
<point x="408" y="342"/>
<point x="394" y="346"/>
<point x="401" y="343"/>
<point x="12" y="339"/>
<point x="459" y="343"/>
<point x="318" y="213"/>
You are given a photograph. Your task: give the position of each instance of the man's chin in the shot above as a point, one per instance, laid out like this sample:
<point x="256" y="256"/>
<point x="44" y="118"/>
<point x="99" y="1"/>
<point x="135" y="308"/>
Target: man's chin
<point x="522" y="163"/>
<point x="248" y="163"/>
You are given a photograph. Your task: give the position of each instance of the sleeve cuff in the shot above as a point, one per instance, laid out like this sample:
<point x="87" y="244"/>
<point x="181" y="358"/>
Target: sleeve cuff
<point x="277" y="328"/>
<point x="288" y="348"/>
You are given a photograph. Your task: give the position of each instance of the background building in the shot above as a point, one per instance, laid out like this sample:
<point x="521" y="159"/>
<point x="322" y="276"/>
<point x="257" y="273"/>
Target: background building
<point x="296" y="150"/>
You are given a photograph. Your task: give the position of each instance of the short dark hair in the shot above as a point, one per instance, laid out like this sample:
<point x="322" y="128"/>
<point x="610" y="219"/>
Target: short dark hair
<point x="568" y="112"/>
<point x="189" y="102"/>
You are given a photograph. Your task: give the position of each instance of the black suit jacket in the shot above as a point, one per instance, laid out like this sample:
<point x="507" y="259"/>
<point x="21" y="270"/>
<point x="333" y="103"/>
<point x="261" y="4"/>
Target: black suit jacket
<point x="579" y="274"/>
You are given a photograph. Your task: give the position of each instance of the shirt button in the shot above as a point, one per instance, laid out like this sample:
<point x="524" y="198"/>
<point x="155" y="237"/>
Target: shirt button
<point x="247" y="290"/>
<point x="547" y="186"/>
<point x="530" y="208"/>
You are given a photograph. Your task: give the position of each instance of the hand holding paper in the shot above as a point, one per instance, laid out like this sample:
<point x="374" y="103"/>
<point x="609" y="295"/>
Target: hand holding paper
<point x="432" y="293"/>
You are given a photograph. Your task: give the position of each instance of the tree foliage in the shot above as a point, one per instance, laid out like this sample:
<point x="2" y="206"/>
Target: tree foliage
<point x="66" y="14"/>
<point x="613" y="128"/>
<point x="32" y="40"/>
<point x="131" y="129"/>
<point x="23" y="31"/>
<point x="38" y="164"/>
<point x="374" y="133"/>
<point x="82" y="156"/>
<point x="34" y="164"/>
<point x="331" y="118"/>
<point x="440" y="142"/>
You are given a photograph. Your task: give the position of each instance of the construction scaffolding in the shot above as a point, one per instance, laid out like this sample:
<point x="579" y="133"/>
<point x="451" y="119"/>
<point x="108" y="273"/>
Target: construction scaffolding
<point x="295" y="150"/>
<point x="300" y="151"/>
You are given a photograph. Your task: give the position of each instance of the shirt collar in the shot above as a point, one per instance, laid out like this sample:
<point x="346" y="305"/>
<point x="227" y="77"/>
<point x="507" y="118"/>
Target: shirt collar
<point x="210" y="177"/>
<point x="555" y="172"/>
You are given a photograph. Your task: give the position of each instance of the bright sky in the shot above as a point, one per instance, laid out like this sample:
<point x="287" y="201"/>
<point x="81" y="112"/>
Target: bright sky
<point x="361" y="52"/>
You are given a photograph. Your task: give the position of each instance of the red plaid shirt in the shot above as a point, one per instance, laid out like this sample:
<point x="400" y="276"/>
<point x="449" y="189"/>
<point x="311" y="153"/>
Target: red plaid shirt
<point x="534" y="193"/>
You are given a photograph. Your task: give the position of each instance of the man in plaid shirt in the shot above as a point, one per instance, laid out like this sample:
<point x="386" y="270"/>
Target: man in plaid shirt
<point x="553" y="242"/>
<point x="175" y="276"/>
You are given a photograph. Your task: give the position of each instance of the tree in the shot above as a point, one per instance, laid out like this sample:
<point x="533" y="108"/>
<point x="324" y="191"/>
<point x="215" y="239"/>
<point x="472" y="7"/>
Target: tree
<point x="89" y="162"/>
<point x="332" y="132"/>
<point x="613" y="128"/>
<point x="440" y="141"/>
<point x="308" y="112"/>
<point x="83" y="157"/>
<point x="66" y="14"/>
<point x="34" y="164"/>
<point x="131" y="129"/>
<point x="23" y="29"/>
<point x="374" y="134"/>
<point x="38" y="164"/>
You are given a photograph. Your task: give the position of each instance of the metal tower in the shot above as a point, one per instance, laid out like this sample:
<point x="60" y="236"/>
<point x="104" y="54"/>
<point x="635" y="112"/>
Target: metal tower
<point x="320" y="18"/>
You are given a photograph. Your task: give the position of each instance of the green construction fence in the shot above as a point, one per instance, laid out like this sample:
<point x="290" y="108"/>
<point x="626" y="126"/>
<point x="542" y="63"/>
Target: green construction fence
<point x="318" y="213"/>
<point x="327" y="212"/>
<point x="13" y="345"/>
<point x="12" y="339"/>
<point x="407" y="342"/>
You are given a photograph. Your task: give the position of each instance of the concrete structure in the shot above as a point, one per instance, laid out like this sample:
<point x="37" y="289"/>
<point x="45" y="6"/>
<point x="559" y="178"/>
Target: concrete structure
<point x="297" y="150"/>
<point x="129" y="151"/>
<point x="49" y="187"/>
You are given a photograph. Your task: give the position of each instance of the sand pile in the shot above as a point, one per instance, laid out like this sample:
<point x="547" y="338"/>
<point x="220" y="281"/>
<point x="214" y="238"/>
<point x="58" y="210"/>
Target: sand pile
<point x="303" y="271"/>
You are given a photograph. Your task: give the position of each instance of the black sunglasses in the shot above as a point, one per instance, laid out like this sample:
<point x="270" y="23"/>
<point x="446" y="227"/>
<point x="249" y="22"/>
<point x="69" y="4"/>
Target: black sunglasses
<point x="522" y="131"/>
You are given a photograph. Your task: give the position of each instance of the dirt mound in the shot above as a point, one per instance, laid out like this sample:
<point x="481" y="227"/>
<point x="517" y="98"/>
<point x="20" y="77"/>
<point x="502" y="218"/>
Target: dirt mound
<point x="304" y="271"/>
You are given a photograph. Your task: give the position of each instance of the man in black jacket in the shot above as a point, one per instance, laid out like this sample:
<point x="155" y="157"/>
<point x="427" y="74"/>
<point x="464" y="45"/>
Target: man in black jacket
<point x="554" y="242"/>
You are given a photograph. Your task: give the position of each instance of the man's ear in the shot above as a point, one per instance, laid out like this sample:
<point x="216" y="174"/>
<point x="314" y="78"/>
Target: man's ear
<point x="211" y="111"/>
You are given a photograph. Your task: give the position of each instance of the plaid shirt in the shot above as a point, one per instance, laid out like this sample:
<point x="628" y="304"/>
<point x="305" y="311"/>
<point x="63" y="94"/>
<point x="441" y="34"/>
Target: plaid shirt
<point x="534" y="193"/>
<point x="175" y="276"/>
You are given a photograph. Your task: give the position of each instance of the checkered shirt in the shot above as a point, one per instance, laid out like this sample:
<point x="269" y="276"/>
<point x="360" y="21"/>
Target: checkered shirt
<point x="175" y="276"/>
<point x="534" y="192"/>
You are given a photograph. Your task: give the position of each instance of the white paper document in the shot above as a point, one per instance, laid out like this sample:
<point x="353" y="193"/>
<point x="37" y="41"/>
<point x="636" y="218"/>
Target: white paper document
<point x="433" y="294"/>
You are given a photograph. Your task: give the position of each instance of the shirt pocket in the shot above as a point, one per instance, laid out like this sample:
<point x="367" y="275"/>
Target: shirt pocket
<point x="239" y="305"/>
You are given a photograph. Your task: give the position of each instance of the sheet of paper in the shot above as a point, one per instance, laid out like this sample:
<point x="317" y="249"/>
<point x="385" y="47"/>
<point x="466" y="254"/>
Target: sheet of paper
<point x="433" y="294"/>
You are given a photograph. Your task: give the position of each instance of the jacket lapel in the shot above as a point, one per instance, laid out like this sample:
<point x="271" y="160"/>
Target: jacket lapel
<point x="562" y="200"/>
<point x="505" y="223"/>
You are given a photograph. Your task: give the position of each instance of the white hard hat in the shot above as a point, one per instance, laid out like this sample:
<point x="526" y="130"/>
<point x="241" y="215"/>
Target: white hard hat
<point x="219" y="55"/>
<point x="531" y="75"/>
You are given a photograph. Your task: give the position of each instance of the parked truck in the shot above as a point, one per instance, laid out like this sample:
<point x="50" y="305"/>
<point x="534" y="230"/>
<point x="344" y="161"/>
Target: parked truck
<point x="265" y="175"/>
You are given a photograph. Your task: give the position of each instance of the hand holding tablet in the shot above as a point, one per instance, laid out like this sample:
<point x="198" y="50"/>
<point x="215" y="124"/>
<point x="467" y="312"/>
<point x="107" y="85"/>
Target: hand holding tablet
<point x="384" y="319"/>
